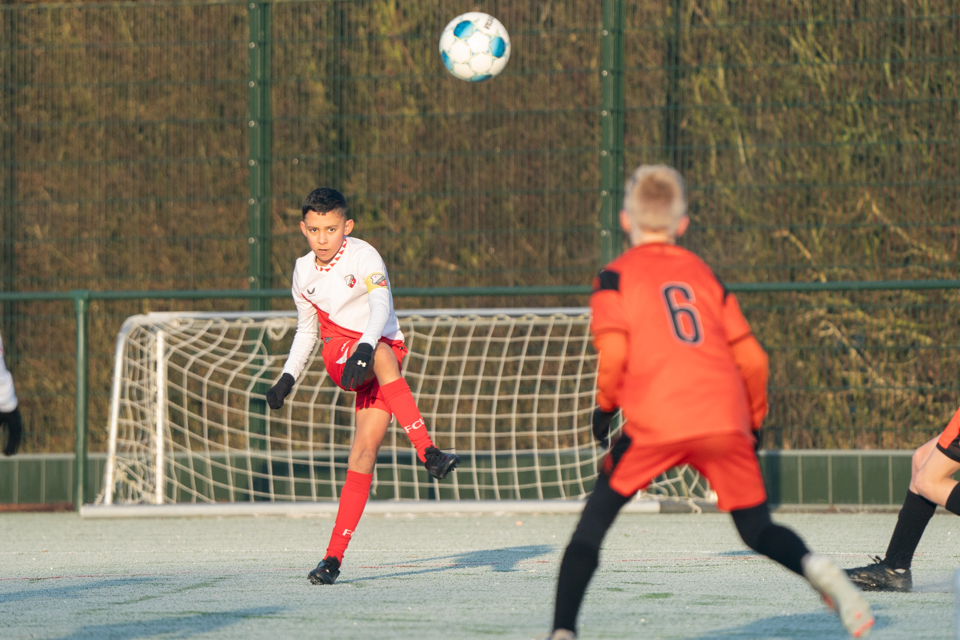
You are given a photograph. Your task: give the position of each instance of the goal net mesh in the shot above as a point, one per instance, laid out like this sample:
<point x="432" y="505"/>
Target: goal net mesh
<point x="511" y="392"/>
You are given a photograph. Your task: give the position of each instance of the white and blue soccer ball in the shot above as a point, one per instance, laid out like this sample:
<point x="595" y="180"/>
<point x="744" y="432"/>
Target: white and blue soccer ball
<point x="475" y="47"/>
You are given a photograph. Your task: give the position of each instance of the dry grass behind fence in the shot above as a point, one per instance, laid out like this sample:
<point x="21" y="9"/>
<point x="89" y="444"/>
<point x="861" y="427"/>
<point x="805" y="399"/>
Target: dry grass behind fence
<point x="820" y="141"/>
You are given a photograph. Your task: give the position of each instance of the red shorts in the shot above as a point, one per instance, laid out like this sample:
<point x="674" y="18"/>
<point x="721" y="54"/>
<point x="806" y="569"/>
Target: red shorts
<point x="949" y="442"/>
<point x="335" y="351"/>
<point x="728" y="461"/>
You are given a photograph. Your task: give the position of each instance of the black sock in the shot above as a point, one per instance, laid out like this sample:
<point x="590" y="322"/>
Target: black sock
<point x="772" y="540"/>
<point x="582" y="555"/>
<point x="953" y="500"/>
<point x="783" y="545"/>
<point x="914" y="516"/>
<point x="579" y="563"/>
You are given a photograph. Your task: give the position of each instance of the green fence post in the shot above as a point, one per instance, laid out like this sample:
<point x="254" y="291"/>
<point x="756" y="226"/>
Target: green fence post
<point x="672" y="94"/>
<point x="611" y="129"/>
<point x="260" y="125"/>
<point x="8" y="179"/>
<point x="81" y="305"/>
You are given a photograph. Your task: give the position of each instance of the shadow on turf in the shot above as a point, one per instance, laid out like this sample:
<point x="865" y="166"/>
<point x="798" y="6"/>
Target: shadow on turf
<point x="795" y="626"/>
<point x="499" y="560"/>
<point x="58" y="590"/>
<point x="177" y="627"/>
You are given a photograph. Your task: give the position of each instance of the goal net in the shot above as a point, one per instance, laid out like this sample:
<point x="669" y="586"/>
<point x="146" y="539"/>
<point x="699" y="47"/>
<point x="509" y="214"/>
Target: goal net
<point x="510" y="391"/>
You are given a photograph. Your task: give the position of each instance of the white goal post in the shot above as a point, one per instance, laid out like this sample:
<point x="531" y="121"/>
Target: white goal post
<point x="511" y="391"/>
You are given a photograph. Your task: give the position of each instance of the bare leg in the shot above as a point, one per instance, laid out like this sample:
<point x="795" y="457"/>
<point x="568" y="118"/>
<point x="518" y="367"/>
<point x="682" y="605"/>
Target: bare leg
<point x="371" y="428"/>
<point x="385" y="365"/>
<point x="385" y="368"/>
<point x="399" y="399"/>
<point x="930" y="484"/>
<point x="934" y="477"/>
<point x="372" y="424"/>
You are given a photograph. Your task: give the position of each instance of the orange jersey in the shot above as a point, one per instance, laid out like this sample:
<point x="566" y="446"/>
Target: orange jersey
<point x="679" y="377"/>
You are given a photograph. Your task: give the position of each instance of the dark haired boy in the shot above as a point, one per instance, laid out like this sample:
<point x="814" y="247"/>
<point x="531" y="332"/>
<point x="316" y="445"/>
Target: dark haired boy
<point x="343" y="296"/>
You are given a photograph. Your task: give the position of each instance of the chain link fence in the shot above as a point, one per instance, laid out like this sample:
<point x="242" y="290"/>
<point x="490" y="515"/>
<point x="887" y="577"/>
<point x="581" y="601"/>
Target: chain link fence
<point x="162" y="145"/>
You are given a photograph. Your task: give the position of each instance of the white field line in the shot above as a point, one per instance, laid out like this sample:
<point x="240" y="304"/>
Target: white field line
<point x="378" y="507"/>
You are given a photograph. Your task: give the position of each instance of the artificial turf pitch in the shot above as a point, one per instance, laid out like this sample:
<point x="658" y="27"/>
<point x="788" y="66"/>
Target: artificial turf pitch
<point x="442" y="576"/>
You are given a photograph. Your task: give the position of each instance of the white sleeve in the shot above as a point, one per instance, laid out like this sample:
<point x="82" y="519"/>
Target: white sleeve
<point x="308" y="330"/>
<point x="374" y="274"/>
<point x="379" y="300"/>
<point x="8" y="396"/>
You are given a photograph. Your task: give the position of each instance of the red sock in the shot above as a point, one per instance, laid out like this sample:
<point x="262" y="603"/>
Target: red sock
<point x="401" y="403"/>
<point x="353" y="498"/>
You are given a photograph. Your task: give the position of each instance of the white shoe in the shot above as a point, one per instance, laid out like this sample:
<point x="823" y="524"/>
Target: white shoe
<point x="562" y="634"/>
<point x="839" y="593"/>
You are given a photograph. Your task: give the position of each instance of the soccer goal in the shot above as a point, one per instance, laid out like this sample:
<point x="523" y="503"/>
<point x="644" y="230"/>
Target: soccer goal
<point x="510" y="391"/>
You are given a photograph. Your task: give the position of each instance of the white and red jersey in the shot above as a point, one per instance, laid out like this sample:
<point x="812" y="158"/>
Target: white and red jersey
<point x="350" y="296"/>
<point x="8" y="396"/>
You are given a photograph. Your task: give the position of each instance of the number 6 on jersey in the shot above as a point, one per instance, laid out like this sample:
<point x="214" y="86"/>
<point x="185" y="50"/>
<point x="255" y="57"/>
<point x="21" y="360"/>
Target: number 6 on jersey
<point x="678" y="297"/>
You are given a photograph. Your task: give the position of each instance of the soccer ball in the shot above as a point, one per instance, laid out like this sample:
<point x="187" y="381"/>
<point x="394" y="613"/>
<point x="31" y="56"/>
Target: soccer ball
<point x="474" y="47"/>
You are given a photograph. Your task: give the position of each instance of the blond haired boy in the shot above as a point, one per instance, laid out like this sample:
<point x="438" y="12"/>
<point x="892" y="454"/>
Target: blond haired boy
<point x="678" y="358"/>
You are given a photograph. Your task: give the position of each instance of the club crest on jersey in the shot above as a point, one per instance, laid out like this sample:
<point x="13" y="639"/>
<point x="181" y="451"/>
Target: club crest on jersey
<point x="350" y="280"/>
<point x="376" y="281"/>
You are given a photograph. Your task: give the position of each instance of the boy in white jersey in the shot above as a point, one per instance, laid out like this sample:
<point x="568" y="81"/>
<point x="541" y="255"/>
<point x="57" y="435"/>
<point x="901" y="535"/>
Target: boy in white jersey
<point x="341" y="288"/>
<point x="9" y="410"/>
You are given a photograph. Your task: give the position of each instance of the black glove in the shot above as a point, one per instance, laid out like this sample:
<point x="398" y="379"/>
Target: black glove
<point x="601" y="425"/>
<point x="756" y="441"/>
<point x="14" y="430"/>
<point x="279" y="391"/>
<point x="355" y="371"/>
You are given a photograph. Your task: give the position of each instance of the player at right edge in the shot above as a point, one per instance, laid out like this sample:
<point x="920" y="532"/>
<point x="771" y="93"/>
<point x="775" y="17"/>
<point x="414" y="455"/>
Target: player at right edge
<point x="678" y="357"/>
<point x="933" y="466"/>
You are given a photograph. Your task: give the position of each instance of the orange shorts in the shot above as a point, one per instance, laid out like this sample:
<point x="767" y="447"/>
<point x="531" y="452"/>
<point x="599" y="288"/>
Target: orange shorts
<point x="335" y="351"/>
<point x="728" y="461"/>
<point x="949" y="442"/>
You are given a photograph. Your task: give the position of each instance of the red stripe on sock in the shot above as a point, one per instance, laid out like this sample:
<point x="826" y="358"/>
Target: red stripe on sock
<point x="353" y="499"/>
<point x="402" y="405"/>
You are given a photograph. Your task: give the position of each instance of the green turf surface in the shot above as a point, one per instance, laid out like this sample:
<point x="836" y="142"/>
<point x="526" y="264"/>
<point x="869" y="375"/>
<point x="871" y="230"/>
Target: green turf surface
<point x="425" y="577"/>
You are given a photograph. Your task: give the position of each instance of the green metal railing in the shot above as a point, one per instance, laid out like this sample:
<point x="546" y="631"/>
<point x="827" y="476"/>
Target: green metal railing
<point x="81" y="303"/>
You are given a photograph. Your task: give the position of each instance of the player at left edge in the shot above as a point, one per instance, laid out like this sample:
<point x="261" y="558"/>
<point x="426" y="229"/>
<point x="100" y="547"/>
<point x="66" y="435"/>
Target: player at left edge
<point x="9" y="408"/>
